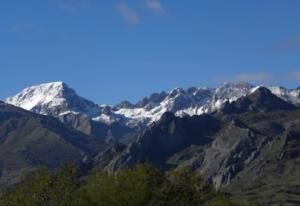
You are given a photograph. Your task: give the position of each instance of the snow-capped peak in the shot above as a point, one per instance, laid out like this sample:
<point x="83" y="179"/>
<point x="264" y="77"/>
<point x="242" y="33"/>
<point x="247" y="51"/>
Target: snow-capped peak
<point x="52" y="98"/>
<point x="39" y="94"/>
<point x="58" y="99"/>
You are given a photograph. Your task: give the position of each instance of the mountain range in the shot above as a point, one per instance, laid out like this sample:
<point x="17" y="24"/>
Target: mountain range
<point x="58" y="100"/>
<point x="242" y="138"/>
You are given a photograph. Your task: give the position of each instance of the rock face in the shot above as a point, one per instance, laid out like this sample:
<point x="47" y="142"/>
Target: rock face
<point x="165" y="138"/>
<point x="261" y="100"/>
<point x="272" y="177"/>
<point x="29" y="140"/>
<point x="250" y="150"/>
<point x="88" y="126"/>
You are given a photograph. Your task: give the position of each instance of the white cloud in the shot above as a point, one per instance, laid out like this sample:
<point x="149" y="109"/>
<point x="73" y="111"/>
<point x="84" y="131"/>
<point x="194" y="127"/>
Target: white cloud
<point x="127" y="13"/>
<point x="295" y="75"/>
<point x="155" y="6"/>
<point x="253" y="77"/>
<point x="291" y="44"/>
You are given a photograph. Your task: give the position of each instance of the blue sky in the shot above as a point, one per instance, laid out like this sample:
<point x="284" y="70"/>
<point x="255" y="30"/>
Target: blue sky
<point x="111" y="50"/>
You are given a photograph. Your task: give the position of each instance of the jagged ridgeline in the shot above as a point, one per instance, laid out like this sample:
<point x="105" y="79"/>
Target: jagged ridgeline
<point x="242" y="139"/>
<point x="59" y="100"/>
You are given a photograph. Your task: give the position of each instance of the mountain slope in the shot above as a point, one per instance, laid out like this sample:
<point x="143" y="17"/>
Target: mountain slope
<point x="252" y="153"/>
<point x="273" y="177"/>
<point x="29" y="140"/>
<point x="260" y="100"/>
<point x="169" y="135"/>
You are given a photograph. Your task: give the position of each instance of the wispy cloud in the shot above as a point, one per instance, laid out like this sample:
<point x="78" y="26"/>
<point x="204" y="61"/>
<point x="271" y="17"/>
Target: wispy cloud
<point x="72" y="5"/>
<point x="256" y="78"/>
<point x="127" y="13"/>
<point x="253" y="77"/>
<point x="295" y="75"/>
<point x="23" y="26"/>
<point x="291" y="44"/>
<point x="155" y="6"/>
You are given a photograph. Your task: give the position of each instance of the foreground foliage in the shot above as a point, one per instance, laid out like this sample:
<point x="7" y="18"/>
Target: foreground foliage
<point x="143" y="185"/>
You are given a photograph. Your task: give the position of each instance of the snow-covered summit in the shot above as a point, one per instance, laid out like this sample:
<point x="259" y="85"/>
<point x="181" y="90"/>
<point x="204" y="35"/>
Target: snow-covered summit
<point x="190" y="101"/>
<point x="53" y="99"/>
<point x="289" y="95"/>
<point x="50" y="93"/>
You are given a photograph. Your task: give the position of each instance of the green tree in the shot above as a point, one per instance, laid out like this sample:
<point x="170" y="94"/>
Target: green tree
<point x="184" y="187"/>
<point x="143" y="185"/>
<point x="44" y="188"/>
<point x="133" y="187"/>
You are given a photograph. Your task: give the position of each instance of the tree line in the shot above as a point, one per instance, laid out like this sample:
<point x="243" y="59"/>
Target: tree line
<point x="143" y="185"/>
